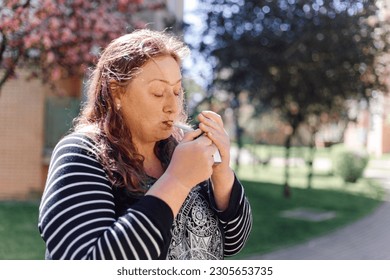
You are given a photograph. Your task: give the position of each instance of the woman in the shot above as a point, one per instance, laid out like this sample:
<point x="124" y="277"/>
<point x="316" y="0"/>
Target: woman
<point x="126" y="183"/>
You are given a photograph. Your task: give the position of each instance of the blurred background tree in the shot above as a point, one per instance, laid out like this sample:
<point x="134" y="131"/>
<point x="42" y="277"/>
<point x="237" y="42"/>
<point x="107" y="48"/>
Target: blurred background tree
<point x="61" y="38"/>
<point x="302" y="59"/>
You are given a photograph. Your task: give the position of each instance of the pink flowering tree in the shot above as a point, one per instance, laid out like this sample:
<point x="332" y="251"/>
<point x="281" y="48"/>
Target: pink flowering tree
<point x="60" y="38"/>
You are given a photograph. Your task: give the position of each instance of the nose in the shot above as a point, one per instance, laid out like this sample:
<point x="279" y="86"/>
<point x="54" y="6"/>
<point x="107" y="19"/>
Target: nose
<point x="172" y="103"/>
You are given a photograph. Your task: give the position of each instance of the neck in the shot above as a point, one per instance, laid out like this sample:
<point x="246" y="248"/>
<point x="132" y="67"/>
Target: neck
<point x="152" y="164"/>
<point x="146" y="150"/>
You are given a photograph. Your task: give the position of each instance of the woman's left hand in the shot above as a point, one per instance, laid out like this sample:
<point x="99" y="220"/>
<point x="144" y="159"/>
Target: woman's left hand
<point x="223" y="177"/>
<point x="212" y="125"/>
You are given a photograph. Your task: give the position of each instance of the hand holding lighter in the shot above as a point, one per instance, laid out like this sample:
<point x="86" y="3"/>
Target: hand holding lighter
<point x="186" y="128"/>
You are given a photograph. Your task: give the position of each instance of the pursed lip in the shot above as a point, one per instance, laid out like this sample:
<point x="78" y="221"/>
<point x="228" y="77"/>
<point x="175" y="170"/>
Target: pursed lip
<point x="168" y="123"/>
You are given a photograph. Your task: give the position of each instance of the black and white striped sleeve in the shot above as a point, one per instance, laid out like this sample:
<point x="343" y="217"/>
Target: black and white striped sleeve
<point x="236" y="219"/>
<point x="77" y="218"/>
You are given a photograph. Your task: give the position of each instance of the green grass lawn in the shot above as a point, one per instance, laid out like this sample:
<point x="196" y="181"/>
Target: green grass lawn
<point x="264" y="186"/>
<point x="271" y="231"/>
<point x="19" y="236"/>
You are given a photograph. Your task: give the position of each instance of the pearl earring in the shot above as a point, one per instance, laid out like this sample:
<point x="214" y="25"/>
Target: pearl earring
<point x="118" y="106"/>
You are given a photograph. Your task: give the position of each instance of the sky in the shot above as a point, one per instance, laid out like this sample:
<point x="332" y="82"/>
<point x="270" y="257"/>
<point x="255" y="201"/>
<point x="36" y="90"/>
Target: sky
<point x="200" y="68"/>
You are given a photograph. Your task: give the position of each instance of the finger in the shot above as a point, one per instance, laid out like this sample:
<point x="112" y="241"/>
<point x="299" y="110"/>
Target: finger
<point x="212" y="136"/>
<point x="218" y="136"/>
<point x="206" y="123"/>
<point x="221" y="142"/>
<point x="217" y="140"/>
<point x="204" y="140"/>
<point x="212" y="116"/>
<point x="191" y="135"/>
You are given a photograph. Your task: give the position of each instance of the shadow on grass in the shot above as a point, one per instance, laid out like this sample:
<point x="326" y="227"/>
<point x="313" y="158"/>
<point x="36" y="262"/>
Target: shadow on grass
<point x="323" y="175"/>
<point x="271" y="231"/>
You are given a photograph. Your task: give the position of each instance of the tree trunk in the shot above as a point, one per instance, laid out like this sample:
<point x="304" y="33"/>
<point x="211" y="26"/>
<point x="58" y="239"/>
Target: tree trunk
<point x="287" y="145"/>
<point x="310" y="161"/>
<point x="295" y="118"/>
<point x="238" y="130"/>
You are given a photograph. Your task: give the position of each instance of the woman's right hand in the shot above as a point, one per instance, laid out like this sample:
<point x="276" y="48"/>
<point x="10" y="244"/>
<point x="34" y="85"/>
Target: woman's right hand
<point x="192" y="160"/>
<point x="191" y="163"/>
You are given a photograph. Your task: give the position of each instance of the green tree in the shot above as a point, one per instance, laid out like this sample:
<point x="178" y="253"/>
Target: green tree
<point x="300" y="57"/>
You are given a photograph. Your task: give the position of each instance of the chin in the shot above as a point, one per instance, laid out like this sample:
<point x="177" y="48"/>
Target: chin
<point x="165" y="135"/>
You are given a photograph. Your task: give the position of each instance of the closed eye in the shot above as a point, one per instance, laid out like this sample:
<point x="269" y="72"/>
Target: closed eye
<point x="178" y="93"/>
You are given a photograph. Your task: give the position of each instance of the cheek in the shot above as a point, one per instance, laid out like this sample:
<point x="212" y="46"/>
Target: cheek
<point x="149" y="110"/>
<point x="139" y="112"/>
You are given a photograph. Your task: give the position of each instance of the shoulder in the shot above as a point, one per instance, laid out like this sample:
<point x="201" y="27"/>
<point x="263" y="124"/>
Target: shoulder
<point x="76" y="142"/>
<point x="77" y="138"/>
<point x="76" y="148"/>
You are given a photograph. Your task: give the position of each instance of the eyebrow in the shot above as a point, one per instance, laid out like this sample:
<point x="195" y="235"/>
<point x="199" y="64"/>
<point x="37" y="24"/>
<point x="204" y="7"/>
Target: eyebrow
<point x="165" y="81"/>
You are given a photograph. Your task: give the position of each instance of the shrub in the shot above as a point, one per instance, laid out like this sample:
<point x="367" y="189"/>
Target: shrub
<point x="348" y="164"/>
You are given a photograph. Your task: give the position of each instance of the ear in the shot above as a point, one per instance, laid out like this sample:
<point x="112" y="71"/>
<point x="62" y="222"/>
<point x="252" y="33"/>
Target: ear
<point x="116" y="91"/>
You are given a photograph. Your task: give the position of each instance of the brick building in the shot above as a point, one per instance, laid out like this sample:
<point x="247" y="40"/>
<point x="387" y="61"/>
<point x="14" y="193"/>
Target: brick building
<point x="32" y="120"/>
<point x="371" y="131"/>
<point x="21" y="138"/>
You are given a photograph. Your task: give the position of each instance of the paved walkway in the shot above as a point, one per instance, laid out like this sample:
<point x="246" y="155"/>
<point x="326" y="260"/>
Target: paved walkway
<point x="366" y="239"/>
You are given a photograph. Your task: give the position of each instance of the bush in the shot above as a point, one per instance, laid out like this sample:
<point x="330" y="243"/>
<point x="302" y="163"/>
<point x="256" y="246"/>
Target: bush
<point x="348" y="164"/>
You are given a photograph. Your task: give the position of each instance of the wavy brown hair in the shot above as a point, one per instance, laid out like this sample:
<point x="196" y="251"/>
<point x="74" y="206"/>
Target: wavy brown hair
<point x="119" y="63"/>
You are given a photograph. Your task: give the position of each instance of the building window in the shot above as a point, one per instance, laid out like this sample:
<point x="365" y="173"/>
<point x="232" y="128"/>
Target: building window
<point x="59" y="114"/>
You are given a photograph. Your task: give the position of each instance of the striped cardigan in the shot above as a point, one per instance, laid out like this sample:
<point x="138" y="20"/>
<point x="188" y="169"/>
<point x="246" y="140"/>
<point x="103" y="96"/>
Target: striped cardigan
<point x="82" y="216"/>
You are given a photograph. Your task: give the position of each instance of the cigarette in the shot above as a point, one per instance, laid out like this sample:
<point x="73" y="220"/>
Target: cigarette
<point x="184" y="127"/>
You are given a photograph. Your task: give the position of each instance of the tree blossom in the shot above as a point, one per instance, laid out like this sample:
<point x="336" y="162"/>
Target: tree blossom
<point x="59" y="38"/>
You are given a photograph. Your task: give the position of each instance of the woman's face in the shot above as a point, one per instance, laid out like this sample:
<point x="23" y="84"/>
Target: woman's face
<point x="153" y="100"/>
